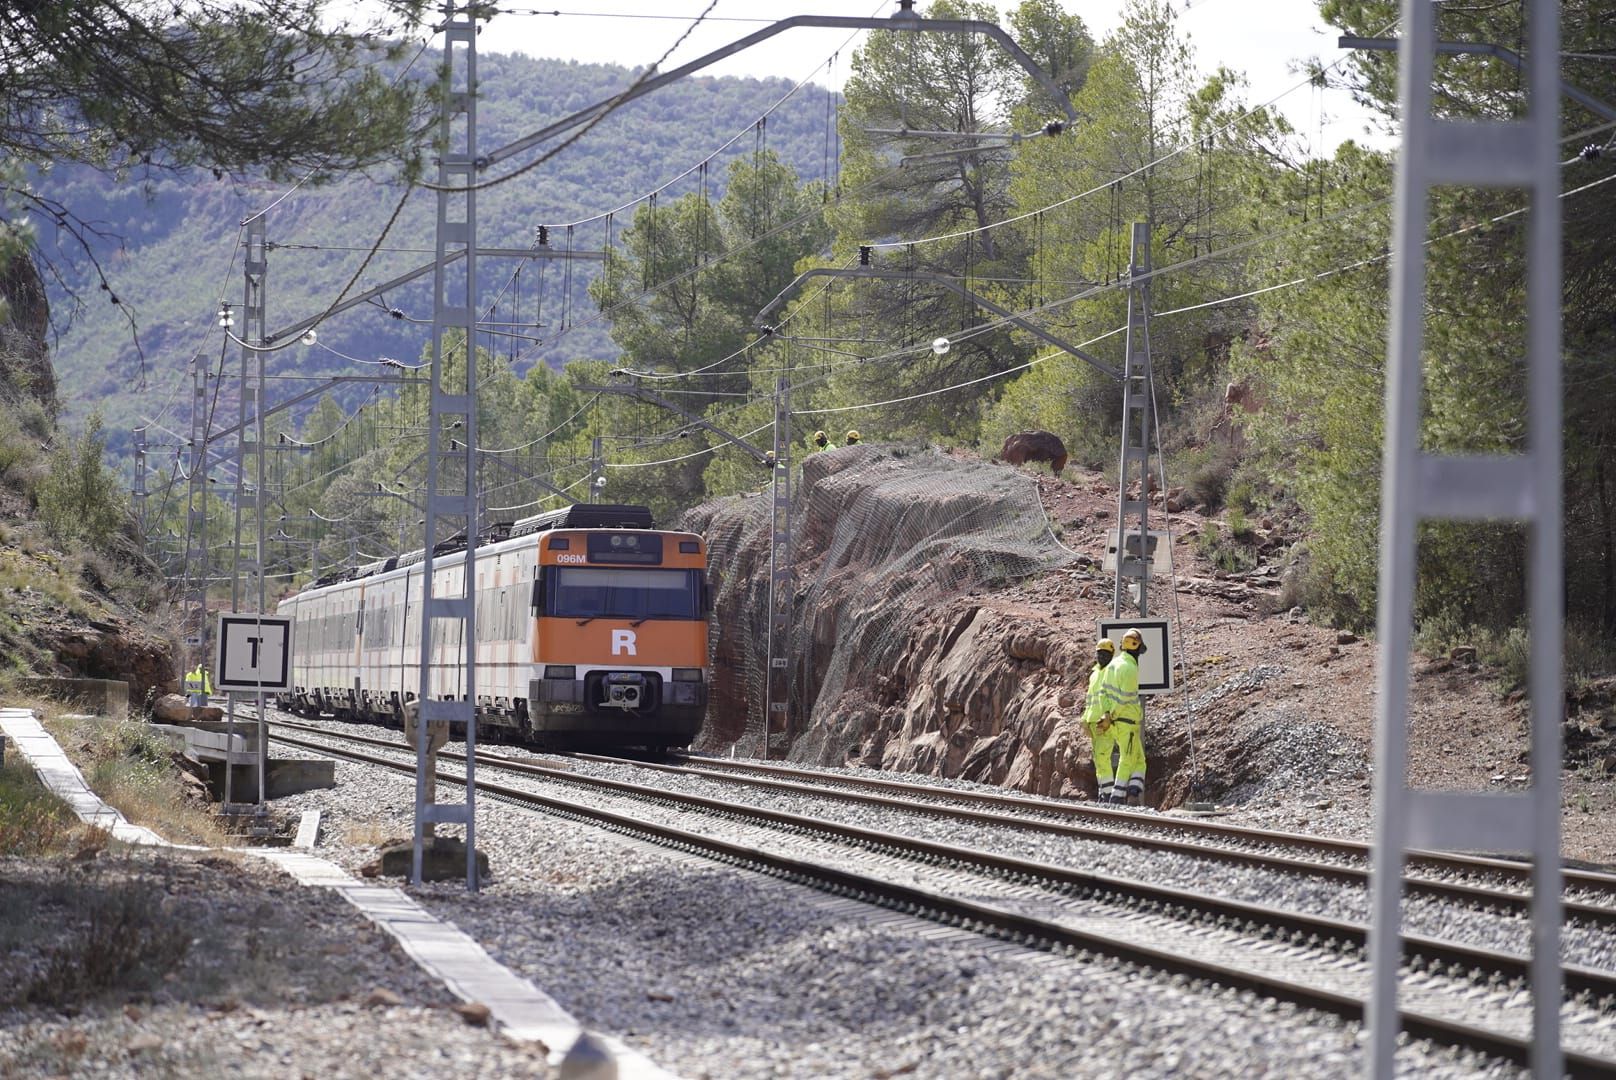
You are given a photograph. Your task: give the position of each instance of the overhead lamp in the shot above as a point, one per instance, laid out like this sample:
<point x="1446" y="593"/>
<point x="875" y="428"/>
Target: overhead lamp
<point x="310" y="337"/>
<point x="941" y="345"/>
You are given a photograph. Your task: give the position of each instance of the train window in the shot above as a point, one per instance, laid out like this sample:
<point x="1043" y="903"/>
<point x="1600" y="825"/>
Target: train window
<point x="596" y="592"/>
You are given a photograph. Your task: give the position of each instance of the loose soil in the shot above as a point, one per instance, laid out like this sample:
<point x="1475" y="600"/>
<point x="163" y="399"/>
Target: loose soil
<point x="1319" y="684"/>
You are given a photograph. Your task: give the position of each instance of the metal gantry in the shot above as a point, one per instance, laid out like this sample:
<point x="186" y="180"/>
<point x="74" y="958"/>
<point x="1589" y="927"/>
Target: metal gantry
<point x="1420" y="486"/>
<point x="1133" y="544"/>
<point x="777" y="676"/>
<point x="194" y="603"/>
<point x="451" y="475"/>
<point x="597" y="468"/>
<point x="249" y="497"/>
<point x="138" y="492"/>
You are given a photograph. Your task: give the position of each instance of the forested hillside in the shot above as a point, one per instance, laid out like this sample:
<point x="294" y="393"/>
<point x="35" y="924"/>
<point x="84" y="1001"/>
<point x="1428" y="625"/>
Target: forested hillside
<point x="1269" y="297"/>
<point x="165" y="242"/>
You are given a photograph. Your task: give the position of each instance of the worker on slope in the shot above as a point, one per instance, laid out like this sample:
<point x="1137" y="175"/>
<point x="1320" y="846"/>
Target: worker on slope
<point x="1121" y="691"/>
<point x="1094" y="718"/>
<point x="198" y="687"/>
<point x="852" y="437"/>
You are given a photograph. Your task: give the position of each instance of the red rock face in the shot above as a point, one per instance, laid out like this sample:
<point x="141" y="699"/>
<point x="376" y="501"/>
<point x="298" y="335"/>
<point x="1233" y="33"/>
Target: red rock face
<point x="1025" y="446"/>
<point x="893" y="664"/>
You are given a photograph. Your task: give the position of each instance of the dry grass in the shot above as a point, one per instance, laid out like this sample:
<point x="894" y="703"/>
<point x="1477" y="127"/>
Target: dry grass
<point x="116" y="936"/>
<point x="369" y="834"/>
<point x="131" y="767"/>
<point x="34" y="822"/>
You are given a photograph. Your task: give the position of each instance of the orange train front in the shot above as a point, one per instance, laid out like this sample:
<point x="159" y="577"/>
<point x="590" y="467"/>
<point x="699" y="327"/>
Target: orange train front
<point x="591" y="631"/>
<point x="620" y="645"/>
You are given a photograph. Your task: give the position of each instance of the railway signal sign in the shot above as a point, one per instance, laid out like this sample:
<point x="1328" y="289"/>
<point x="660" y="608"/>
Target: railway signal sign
<point x="1156" y="663"/>
<point x="255" y="653"/>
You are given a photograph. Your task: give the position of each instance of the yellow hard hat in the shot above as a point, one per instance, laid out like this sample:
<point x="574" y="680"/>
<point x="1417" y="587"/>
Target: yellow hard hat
<point x="1105" y="644"/>
<point x="1132" y="639"/>
<point x="819" y="436"/>
<point x="853" y="436"/>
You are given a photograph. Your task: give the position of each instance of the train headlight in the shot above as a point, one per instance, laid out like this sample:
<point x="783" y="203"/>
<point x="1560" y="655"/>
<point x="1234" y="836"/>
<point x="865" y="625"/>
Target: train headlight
<point x="687" y="674"/>
<point x="559" y="671"/>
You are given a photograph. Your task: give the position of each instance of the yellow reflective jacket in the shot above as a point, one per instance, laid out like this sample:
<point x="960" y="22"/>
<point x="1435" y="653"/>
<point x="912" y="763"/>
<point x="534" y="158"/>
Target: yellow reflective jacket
<point x="1094" y="709"/>
<point x="1122" y="688"/>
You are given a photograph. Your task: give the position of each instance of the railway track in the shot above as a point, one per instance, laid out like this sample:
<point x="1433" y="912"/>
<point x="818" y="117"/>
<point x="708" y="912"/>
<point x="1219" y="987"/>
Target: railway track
<point x="1334" y="857"/>
<point x="1457" y="994"/>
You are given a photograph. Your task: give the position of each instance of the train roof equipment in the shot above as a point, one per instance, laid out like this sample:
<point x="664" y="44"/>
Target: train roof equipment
<point x="586" y="516"/>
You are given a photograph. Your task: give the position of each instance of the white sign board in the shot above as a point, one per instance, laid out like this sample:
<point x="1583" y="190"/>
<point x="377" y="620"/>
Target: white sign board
<point x="255" y="653"/>
<point x="1161" y="553"/>
<point x="1156" y="662"/>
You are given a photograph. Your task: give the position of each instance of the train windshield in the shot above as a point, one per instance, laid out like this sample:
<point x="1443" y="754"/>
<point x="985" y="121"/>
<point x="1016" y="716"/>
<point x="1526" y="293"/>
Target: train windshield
<point x="595" y="592"/>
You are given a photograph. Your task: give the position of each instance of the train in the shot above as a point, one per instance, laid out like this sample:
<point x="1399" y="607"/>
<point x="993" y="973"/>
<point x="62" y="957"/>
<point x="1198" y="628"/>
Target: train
<point x="591" y="629"/>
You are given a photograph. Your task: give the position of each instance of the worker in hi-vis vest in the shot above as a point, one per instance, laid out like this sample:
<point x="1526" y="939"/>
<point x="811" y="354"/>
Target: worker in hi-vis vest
<point x="1094" y="710"/>
<point x="198" y="687"/>
<point x="1127" y="717"/>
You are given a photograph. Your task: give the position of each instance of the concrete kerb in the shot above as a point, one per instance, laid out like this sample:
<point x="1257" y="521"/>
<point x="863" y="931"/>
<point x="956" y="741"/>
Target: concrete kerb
<point x="521" y="1010"/>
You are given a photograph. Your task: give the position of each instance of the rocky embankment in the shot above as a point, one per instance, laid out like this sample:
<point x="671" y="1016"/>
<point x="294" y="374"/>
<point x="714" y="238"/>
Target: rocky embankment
<point x="939" y="627"/>
<point x="62" y="610"/>
<point x="906" y="654"/>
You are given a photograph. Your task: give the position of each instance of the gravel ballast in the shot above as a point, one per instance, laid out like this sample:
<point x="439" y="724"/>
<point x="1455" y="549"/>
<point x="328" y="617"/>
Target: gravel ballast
<point x="716" y="972"/>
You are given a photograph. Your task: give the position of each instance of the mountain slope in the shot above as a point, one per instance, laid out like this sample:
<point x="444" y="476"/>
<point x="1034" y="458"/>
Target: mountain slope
<point x="167" y="242"/>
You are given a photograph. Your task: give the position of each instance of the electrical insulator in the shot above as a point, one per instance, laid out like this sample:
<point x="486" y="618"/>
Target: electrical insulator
<point x="544" y="236"/>
<point x="864" y="255"/>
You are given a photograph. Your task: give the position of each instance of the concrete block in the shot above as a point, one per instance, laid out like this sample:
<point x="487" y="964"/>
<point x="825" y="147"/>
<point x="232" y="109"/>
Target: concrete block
<point x="291" y="777"/>
<point x="212" y="745"/>
<point x="281" y="778"/>
<point x="308" y="829"/>
<point x="442" y="859"/>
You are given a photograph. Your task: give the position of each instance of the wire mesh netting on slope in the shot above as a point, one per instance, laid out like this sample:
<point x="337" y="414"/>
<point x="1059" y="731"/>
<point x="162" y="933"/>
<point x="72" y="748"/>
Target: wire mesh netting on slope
<point x="881" y="535"/>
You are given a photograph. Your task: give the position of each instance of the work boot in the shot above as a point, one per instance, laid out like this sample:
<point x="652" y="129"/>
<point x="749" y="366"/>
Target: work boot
<point x="1135" y="798"/>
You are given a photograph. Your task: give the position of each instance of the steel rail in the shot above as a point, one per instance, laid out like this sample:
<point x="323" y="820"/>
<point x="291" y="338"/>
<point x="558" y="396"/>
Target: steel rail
<point x="1297" y="925"/>
<point x="984" y="918"/>
<point x="1444" y="890"/>
<point x="1438" y="860"/>
<point x="1460" y="892"/>
<point x="1478" y="896"/>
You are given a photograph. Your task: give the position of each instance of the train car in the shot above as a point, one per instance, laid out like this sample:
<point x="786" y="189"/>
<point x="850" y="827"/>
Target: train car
<point x="324" y="618"/>
<point x="620" y="634"/>
<point x="591" y="631"/>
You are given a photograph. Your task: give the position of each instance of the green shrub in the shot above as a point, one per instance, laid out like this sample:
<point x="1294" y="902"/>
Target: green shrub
<point x="1510" y="653"/>
<point x="20" y="452"/>
<point x="1229" y="555"/>
<point x="1206" y="475"/>
<point x="1436" y="634"/>
<point x="1589" y="655"/>
<point x="79" y="497"/>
